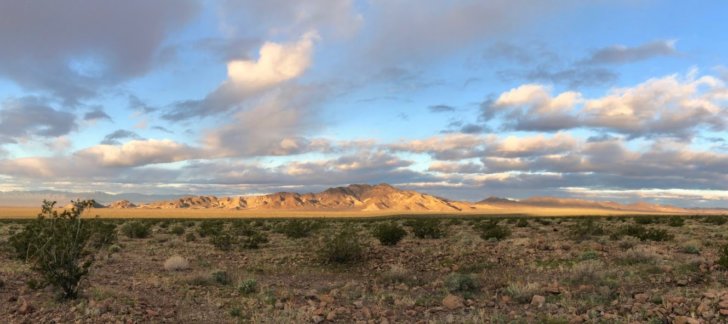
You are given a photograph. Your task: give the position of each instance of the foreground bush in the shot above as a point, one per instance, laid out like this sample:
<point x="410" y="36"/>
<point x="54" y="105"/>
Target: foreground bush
<point x="723" y="257"/>
<point x="715" y="220"/>
<point x="676" y="221"/>
<point x="427" y="228"/>
<point x="643" y="233"/>
<point x="56" y="245"/>
<point x="585" y="229"/>
<point x="344" y="247"/>
<point x="389" y="234"/>
<point x="136" y="229"/>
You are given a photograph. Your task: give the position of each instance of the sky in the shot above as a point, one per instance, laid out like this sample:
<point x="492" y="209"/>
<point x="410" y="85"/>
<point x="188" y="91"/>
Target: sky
<point x="610" y="100"/>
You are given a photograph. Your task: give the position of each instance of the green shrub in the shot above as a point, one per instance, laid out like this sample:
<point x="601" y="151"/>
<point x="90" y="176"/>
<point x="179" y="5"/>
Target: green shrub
<point x="177" y="229"/>
<point x="221" y="277"/>
<point x="676" y="221"/>
<point x="522" y="222"/>
<point x="296" y="228"/>
<point x="490" y="230"/>
<point x="643" y="233"/>
<point x="715" y="220"/>
<point x="56" y="245"/>
<point x="210" y="228"/>
<point x="190" y="237"/>
<point x="223" y="241"/>
<point x="248" y="286"/>
<point x="343" y="247"/>
<point x="646" y="220"/>
<point x="584" y="229"/>
<point x="723" y="259"/>
<point x="461" y="283"/>
<point x="389" y="234"/>
<point x="136" y="229"/>
<point x="103" y="233"/>
<point x="427" y="228"/>
<point x="254" y="240"/>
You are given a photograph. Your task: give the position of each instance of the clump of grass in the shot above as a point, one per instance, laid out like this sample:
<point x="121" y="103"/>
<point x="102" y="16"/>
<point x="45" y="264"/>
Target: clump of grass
<point x="389" y="234"/>
<point x="521" y="292"/>
<point x="210" y="228"/>
<point x="639" y="255"/>
<point x="690" y="248"/>
<point x="587" y="272"/>
<point x="490" y="230"/>
<point x="343" y="247"/>
<point x="646" y="220"/>
<point x="190" y="237"/>
<point x="643" y="233"/>
<point x="248" y="286"/>
<point x="136" y="229"/>
<point x="424" y="228"/>
<point x="222" y="241"/>
<point x="396" y="274"/>
<point x="522" y="222"/>
<point x="589" y="255"/>
<point x="176" y="263"/>
<point x="723" y="257"/>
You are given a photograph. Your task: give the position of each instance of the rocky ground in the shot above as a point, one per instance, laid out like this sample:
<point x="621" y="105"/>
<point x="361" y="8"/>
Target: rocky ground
<point x="555" y="270"/>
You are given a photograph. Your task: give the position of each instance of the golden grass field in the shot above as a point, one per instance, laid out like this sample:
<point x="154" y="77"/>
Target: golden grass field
<point x="31" y="212"/>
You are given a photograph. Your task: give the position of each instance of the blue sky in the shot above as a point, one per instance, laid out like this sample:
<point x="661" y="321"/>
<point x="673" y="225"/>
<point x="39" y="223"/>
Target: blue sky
<point x="619" y="100"/>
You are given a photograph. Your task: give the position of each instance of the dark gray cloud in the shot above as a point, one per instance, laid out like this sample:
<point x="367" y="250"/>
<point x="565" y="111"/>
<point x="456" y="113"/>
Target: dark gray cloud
<point x="33" y="117"/>
<point x="120" y="134"/>
<point x="162" y="129"/>
<point x="96" y="114"/>
<point x="620" y="54"/>
<point x="137" y="104"/>
<point x="441" y="108"/>
<point x="71" y="49"/>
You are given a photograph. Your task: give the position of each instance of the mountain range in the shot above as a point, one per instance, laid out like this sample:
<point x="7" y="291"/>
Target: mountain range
<point x="355" y="197"/>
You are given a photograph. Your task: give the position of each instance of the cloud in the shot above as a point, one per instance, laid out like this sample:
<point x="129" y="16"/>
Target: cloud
<point x="278" y="125"/>
<point x="620" y="54"/>
<point x="531" y="107"/>
<point x="276" y="64"/>
<point x="138" y="153"/>
<point x="96" y="114"/>
<point x="671" y="106"/>
<point x="33" y="117"/>
<point x="441" y="108"/>
<point x="60" y="49"/>
<point x="114" y="137"/>
<point x="574" y="77"/>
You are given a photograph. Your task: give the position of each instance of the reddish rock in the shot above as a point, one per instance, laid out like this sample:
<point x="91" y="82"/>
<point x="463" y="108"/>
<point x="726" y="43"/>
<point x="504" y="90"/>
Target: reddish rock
<point x="452" y="302"/>
<point x="538" y="300"/>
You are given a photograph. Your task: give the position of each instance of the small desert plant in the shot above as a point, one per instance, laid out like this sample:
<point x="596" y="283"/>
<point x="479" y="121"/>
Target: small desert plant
<point x="389" y="234"/>
<point x="723" y="259"/>
<point x="676" y="221"/>
<point x="190" y="237"/>
<point x="221" y="277"/>
<point x="490" y="230"/>
<point x="715" y="220"/>
<point x="253" y="240"/>
<point x="646" y="220"/>
<point x="177" y="230"/>
<point x="396" y="274"/>
<point x="522" y="222"/>
<point x="136" y="229"/>
<point x="343" y="247"/>
<point x="57" y="246"/>
<point x="210" y="228"/>
<point x="587" y="272"/>
<point x="296" y="229"/>
<point x="643" y="233"/>
<point x="585" y="229"/>
<point x="690" y="248"/>
<point x="248" y="286"/>
<point x="427" y="228"/>
<point x="521" y="292"/>
<point x="222" y="241"/>
<point x="176" y="263"/>
<point x="461" y="283"/>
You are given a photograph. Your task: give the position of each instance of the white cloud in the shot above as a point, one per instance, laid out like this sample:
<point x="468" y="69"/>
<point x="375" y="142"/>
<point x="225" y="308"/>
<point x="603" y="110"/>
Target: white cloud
<point x="137" y="153"/>
<point x="276" y="63"/>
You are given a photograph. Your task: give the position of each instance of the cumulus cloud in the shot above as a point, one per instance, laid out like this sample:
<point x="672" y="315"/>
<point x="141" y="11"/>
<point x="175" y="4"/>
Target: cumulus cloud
<point x="138" y="153"/>
<point x="621" y="54"/>
<point x="61" y="49"/>
<point x="669" y="106"/>
<point x="33" y="117"/>
<point x="276" y="64"/>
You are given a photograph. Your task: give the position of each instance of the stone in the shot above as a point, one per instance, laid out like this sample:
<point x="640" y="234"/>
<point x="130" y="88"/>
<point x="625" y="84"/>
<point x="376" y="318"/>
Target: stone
<point x="331" y="316"/>
<point x="25" y="308"/>
<point x="326" y="298"/>
<point x="641" y="297"/>
<point x="317" y="319"/>
<point x="452" y="302"/>
<point x="538" y="300"/>
<point x="724" y="312"/>
<point x="685" y="320"/>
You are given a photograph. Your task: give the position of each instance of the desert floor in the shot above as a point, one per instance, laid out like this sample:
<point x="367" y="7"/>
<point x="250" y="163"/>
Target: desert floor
<point x="549" y="270"/>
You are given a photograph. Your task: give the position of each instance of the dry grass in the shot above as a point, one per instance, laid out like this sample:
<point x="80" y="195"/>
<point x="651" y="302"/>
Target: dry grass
<point x="176" y="263"/>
